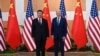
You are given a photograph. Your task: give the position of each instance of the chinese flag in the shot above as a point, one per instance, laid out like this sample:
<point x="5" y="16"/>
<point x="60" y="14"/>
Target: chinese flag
<point x="13" y="36"/>
<point x="46" y="15"/>
<point x="78" y="27"/>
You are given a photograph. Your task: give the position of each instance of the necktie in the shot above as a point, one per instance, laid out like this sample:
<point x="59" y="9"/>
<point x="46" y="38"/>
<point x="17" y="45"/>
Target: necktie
<point x="58" y="21"/>
<point x="40" y="21"/>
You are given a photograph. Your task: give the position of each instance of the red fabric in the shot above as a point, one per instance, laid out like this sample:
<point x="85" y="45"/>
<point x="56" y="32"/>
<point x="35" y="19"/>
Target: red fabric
<point x="13" y="36"/>
<point x="78" y="27"/>
<point x="46" y="15"/>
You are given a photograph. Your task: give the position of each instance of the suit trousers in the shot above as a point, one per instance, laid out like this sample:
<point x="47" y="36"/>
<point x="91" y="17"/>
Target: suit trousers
<point x="58" y="41"/>
<point x="40" y="47"/>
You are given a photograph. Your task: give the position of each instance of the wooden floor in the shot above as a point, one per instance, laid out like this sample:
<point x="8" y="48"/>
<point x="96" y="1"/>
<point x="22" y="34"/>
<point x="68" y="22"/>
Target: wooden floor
<point x="52" y="54"/>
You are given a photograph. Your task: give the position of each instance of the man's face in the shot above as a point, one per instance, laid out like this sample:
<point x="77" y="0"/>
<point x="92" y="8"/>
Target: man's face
<point x="39" y="14"/>
<point x="58" y="13"/>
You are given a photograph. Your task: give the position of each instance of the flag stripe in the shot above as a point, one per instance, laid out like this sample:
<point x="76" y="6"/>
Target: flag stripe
<point x="65" y="47"/>
<point x="28" y="35"/>
<point x="1" y="29"/>
<point x="1" y="32"/>
<point x="26" y="42"/>
<point x="2" y="43"/>
<point x="2" y="40"/>
<point x="27" y="26"/>
<point x="68" y="35"/>
<point x="93" y="34"/>
<point x="97" y="22"/>
<point x="30" y="38"/>
<point x="1" y="23"/>
<point x="27" y="32"/>
<point x="67" y="44"/>
<point x="93" y="30"/>
<point x="93" y="39"/>
<point x="1" y="47"/>
<point x="94" y="26"/>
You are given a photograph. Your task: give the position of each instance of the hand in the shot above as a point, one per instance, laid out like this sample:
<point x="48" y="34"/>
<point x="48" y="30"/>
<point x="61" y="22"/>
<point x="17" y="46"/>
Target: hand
<point x="52" y="36"/>
<point x="64" y="38"/>
<point x="33" y="38"/>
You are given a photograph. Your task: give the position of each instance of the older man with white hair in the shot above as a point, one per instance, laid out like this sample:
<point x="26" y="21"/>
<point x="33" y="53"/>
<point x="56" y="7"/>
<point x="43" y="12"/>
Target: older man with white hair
<point x="59" y="31"/>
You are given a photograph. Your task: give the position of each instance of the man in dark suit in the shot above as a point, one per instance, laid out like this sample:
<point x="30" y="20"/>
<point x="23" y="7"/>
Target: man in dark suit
<point x="40" y="32"/>
<point x="59" y="31"/>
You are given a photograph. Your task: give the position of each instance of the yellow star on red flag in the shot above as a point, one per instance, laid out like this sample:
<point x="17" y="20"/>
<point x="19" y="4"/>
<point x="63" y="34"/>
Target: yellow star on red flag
<point x="11" y="5"/>
<point x="78" y="4"/>
<point x="45" y="5"/>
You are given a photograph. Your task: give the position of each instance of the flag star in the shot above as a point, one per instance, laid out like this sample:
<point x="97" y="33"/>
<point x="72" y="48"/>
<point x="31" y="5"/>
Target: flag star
<point x="11" y="5"/>
<point x="45" y="5"/>
<point x="78" y="4"/>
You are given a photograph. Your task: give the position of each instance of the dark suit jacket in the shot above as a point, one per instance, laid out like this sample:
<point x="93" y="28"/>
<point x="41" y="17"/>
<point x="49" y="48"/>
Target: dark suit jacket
<point x="39" y="30"/>
<point x="59" y="30"/>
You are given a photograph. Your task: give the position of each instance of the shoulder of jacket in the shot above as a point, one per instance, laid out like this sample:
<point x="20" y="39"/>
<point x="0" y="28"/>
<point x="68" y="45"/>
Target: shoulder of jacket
<point x="34" y="19"/>
<point x="44" y="19"/>
<point x="54" y="18"/>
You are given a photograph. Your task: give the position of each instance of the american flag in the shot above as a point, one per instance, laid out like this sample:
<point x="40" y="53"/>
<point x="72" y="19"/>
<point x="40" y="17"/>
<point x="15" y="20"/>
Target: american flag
<point x="2" y="43"/>
<point x="67" y="45"/>
<point x="94" y="26"/>
<point x="27" y="32"/>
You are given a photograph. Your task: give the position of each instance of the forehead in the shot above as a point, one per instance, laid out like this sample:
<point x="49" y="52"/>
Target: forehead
<point x="58" y="11"/>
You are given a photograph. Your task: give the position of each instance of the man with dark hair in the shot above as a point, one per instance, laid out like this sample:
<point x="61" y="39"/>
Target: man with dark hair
<point x="40" y="11"/>
<point x="40" y="33"/>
